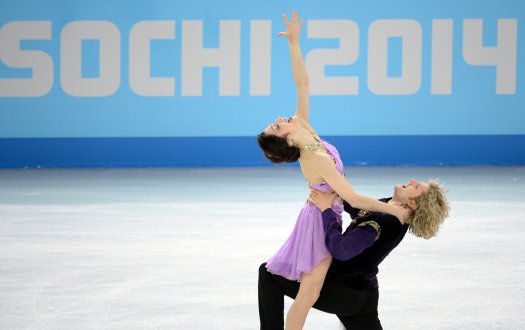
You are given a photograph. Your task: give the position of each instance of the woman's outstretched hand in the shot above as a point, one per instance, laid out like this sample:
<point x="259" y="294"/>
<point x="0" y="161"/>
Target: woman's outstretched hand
<point x="293" y="28"/>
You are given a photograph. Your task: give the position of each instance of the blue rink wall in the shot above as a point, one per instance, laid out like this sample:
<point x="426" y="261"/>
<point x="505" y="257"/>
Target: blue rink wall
<point x="244" y="151"/>
<point x="191" y="83"/>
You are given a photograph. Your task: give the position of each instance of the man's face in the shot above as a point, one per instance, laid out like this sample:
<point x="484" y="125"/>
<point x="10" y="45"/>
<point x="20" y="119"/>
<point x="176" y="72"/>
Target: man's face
<point x="410" y="191"/>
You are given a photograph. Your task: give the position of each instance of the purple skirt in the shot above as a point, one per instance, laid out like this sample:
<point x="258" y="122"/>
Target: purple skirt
<point x="305" y="248"/>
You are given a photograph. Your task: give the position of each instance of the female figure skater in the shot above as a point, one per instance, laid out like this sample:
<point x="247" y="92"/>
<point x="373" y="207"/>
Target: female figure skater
<point x="304" y="256"/>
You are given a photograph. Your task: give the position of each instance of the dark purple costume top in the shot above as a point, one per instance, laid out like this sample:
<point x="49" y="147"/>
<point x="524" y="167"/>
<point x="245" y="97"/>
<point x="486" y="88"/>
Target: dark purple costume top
<point x="366" y="242"/>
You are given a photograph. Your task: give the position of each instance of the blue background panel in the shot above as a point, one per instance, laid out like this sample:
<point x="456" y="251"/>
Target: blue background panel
<point x="457" y="150"/>
<point x="471" y="125"/>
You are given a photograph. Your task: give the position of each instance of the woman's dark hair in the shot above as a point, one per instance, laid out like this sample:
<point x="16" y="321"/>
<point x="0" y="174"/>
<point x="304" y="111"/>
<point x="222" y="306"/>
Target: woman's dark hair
<point x="276" y="149"/>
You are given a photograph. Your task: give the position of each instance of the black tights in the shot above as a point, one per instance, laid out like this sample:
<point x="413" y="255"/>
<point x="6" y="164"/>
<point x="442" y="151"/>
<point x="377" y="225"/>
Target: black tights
<point x="357" y="309"/>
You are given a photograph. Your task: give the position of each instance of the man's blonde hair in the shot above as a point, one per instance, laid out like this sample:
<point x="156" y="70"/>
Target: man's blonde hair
<point x="432" y="209"/>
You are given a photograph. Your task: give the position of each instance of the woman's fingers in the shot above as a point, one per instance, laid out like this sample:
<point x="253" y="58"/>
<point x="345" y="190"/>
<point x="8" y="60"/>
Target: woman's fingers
<point x="294" y="18"/>
<point x="285" y="20"/>
<point x="292" y="25"/>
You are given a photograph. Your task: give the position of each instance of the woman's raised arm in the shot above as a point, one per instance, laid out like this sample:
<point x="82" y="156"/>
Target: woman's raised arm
<point x="299" y="73"/>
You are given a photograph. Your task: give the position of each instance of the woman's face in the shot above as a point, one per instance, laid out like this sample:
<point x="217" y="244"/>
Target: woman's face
<point x="282" y="126"/>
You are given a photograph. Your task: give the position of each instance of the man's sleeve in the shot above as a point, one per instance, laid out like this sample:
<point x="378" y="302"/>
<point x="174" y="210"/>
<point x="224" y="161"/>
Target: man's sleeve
<point x="350" y="209"/>
<point x="355" y="241"/>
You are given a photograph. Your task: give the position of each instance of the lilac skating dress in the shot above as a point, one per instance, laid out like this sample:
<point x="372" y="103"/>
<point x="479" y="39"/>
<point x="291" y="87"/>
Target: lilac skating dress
<point x="305" y="248"/>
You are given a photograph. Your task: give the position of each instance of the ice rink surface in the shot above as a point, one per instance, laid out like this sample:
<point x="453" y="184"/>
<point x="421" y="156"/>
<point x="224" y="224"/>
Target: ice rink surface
<point x="180" y="248"/>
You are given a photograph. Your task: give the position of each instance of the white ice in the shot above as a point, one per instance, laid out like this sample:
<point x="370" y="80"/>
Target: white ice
<point x="180" y="248"/>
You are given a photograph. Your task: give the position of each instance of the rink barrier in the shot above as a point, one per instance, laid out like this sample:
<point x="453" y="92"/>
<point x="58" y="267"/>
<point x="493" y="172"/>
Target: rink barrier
<point x="447" y="150"/>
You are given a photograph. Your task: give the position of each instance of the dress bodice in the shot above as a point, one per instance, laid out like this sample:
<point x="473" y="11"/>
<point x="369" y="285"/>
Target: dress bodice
<point x="332" y="151"/>
<point x="305" y="247"/>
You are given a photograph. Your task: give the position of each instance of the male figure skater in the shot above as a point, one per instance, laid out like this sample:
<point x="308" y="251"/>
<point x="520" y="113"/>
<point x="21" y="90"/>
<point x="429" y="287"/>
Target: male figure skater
<point x="350" y="289"/>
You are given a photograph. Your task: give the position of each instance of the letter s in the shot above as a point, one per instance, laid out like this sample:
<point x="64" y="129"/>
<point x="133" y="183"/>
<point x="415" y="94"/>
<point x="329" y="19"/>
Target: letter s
<point x="11" y="55"/>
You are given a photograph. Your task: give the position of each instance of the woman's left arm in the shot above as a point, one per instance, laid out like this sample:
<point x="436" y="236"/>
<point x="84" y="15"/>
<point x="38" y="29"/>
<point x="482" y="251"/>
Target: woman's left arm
<point x="345" y="190"/>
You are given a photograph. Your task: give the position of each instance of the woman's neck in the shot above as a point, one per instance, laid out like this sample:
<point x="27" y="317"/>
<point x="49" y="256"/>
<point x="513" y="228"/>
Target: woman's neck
<point x="304" y="137"/>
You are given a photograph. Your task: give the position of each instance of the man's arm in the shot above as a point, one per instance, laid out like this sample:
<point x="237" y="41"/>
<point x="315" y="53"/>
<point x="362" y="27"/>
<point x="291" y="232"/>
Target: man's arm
<point x="342" y="247"/>
<point x="355" y="241"/>
<point x="350" y="209"/>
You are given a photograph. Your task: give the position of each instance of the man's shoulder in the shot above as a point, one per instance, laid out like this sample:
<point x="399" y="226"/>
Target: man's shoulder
<point x="364" y="214"/>
<point x="378" y="220"/>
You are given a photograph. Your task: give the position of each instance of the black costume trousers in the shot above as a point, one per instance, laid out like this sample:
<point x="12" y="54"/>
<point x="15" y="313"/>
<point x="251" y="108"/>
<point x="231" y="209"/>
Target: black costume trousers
<point x="357" y="309"/>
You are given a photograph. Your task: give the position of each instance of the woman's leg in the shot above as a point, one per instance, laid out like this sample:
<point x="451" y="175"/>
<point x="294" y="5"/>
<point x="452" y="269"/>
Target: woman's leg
<point x="272" y="289"/>
<point x="311" y="285"/>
